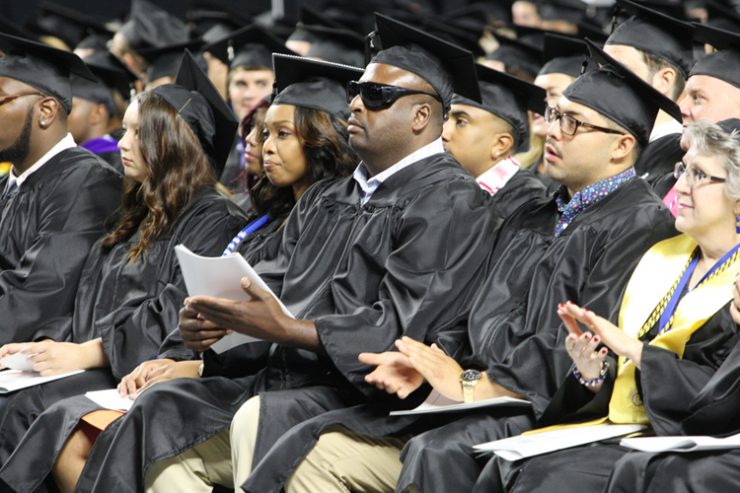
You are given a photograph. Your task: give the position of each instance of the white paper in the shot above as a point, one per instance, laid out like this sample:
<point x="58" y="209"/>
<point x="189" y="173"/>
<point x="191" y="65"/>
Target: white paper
<point x="110" y="399"/>
<point x="12" y="380"/>
<point x="17" y="361"/>
<point x="437" y="403"/>
<point x="220" y="277"/>
<point x="681" y="443"/>
<point x="530" y="445"/>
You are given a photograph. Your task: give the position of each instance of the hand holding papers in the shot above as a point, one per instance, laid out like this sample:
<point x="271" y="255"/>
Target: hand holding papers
<point x="17" y="361"/>
<point x="220" y="277"/>
<point x="529" y="445"/>
<point x="20" y="374"/>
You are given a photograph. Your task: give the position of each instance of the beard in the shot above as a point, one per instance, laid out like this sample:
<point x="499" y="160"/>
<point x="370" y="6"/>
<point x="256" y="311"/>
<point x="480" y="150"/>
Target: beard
<point x="19" y="150"/>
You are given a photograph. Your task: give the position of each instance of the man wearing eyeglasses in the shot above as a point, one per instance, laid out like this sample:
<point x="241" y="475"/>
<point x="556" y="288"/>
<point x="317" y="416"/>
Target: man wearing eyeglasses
<point x="56" y="198"/>
<point x="581" y="244"/>
<point x="397" y="249"/>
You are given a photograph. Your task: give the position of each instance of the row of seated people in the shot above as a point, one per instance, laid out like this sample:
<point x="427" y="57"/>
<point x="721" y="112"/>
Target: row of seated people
<point x="404" y="273"/>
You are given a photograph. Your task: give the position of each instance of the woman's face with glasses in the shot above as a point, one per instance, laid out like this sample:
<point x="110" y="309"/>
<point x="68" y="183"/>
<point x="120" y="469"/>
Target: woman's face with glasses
<point x="703" y="206"/>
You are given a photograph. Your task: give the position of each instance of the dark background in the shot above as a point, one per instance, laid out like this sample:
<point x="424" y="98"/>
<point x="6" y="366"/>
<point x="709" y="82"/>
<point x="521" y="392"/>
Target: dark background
<point x="19" y="11"/>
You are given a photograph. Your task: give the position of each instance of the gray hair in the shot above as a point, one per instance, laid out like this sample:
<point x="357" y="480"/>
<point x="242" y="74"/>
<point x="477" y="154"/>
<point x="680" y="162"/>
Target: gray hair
<point x="709" y="139"/>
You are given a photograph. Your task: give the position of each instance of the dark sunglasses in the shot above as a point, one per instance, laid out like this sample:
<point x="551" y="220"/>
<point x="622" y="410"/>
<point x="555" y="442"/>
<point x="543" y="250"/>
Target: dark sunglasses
<point x="378" y="96"/>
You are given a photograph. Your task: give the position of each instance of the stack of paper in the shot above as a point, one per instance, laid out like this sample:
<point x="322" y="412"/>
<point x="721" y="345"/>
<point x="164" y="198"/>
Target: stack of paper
<point x="437" y="403"/>
<point x="681" y="443"/>
<point x="220" y="277"/>
<point x="523" y="446"/>
<point x="110" y="399"/>
<point x="12" y="380"/>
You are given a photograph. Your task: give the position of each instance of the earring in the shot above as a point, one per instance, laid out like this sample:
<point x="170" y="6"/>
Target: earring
<point x="737" y="224"/>
<point x="43" y="123"/>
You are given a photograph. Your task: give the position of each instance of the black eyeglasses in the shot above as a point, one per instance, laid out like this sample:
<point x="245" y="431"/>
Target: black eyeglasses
<point x="8" y="99"/>
<point x="694" y="176"/>
<point x="569" y="125"/>
<point x="378" y="96"/>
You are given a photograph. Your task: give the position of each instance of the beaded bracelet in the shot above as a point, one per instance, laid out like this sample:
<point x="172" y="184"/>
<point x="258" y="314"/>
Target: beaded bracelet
<point x="590" y="383"/>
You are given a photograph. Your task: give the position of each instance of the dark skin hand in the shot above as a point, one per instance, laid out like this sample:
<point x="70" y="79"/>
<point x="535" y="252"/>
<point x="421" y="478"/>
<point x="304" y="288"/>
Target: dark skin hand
<point x="205" y="319"/>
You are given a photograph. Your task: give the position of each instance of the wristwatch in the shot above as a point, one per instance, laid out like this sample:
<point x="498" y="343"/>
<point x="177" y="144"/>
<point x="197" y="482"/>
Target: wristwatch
<point x="469" y="379"/>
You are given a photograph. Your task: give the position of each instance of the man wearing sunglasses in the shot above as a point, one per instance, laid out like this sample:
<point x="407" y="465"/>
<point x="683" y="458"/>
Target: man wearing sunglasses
<point x="55" y="199"/>
<point x="580" y="244"/>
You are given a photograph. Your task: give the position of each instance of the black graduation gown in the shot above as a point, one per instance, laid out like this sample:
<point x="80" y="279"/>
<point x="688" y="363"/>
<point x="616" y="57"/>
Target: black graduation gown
<point x="113" y="159"/>
<point x="523" y="187"/>
<point x="405" y="263"/>
<point x="46" y="231"/>
<point x="132" y="307"/>
<point x="692" y="472"/>
<point x="513" y="330"/>
<point x="659" y="158"/>
<point x="668" y="387"/>
<point x="713" y="411"/>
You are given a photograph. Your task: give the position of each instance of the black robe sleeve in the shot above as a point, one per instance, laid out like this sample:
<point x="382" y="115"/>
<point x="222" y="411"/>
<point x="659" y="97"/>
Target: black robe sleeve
<point x="135" y="330"/>
<point x="522" y="188"/>
<point x="272" y="267"/>
<point x="669" y="386"/>
<point x="592" y="272"/>
<point x="659" y="158"/>
<point x="46" y="232"/>
<point x="430" y="276"/>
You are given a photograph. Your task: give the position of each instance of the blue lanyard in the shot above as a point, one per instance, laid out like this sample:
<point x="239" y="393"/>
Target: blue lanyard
<point x="246" y="231"/>
<point x="667" y="315"/>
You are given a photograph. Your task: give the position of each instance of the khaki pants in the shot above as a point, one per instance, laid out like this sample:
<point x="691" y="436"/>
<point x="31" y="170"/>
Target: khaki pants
<point x="224" y="459"/>
<point x="343" y="461"/>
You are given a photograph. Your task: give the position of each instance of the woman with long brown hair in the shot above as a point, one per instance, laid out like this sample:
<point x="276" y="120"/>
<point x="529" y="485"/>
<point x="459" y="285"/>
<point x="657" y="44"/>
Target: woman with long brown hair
<point x="131" y="288"/>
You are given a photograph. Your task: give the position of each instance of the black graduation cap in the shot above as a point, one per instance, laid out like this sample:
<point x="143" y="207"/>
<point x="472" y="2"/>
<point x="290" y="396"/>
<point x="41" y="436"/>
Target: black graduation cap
<point x="212" y="25"/>
<point x="620" y="95"/>
<point x="723" y="64"/>
<point x="204" y="15"/>
<point x="313" y="84"/>
<point x="731" y="126"/>
<point x="152" y="27"/>
<point x="11" y="28"/>
<point x="591" y="30"/>
<point x="523" y="55"/>
<point x="445" y="29"/>
<point x="94" y="42"/>
<point x="477" y="16"/>
<point x="112" y="72"/>
<point x="41" y="66"/>
<point x="69" y="25"/>
<point x="336" y="45"/>
<point x="199" y="103"/>
<point x="566" y="10"/>
<point x="251" y="46"/>
<point x="669" y="8"/>
<point x="112" y="76"/>
<point x="722" y="16"/>
<point x="446" y="67"/>
<point x="509" y="98"/>
<point x="310" y="17"/>
<point x="165" y="61"/>
<point x="565" y="55"/>
<point x="655" y="33"/>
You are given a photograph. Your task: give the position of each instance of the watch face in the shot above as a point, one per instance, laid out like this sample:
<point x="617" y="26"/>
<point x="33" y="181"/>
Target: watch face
<point x="470" y="376"/>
